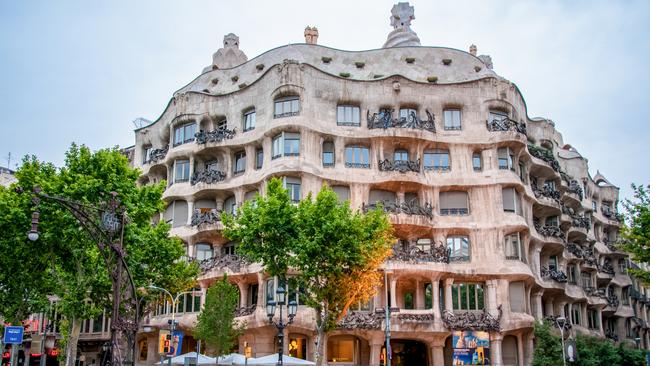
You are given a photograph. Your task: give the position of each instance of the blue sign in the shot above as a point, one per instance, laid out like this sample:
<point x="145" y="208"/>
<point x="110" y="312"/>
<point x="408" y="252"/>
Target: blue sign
<point x="13" y="335"/>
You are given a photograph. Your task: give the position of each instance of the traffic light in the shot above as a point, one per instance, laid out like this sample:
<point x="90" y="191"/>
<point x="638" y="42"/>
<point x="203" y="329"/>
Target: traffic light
<point x="164" y="342"/>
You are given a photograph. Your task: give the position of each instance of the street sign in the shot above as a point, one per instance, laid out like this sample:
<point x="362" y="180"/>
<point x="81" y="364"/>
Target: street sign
<point x="13" y="335"/>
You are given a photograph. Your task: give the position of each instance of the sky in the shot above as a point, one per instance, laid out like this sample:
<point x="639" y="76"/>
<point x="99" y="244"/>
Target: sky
<point x="82" y="71"/>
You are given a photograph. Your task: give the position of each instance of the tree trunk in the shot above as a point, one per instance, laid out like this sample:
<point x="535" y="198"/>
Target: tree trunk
<point x="321" y="321"/>
<point x="73" y="339"/>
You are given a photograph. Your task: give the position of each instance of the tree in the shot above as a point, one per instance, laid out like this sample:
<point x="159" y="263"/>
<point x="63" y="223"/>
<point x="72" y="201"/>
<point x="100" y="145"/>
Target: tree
<point x="336" y="252"/>
<point x="548" y="346"/>
<point x="216" y="324"/>
<point x="71" y="262"/>
<point x="636" y="232"/>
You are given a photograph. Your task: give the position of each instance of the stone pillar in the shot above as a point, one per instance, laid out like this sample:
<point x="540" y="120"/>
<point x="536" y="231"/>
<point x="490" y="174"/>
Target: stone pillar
<point x="520" y="350"/>
<point x="538" y="307"/>
<point x="192" y="167"/>
<point x="530" y="349"/>
<point x="449" y="305"/>
<point x="243" y="294"/>
<point x="492" y="296"/>
<point x="190" y="212"/>
<point x="375" y="352"/>
<point x="261" y="291"/>
<point x="495" y="349"/>
<point x="393" y="290"/>
<point x="170" y="173"/>
<point x="537" y="250"/>
<point x="204" y="291"/>
<point x="550" y="307"/>
<point x="599" y="311"/>
<point x="435" y="289"/>
<point x="419" y="295"/>
<point x="437" y="351"/>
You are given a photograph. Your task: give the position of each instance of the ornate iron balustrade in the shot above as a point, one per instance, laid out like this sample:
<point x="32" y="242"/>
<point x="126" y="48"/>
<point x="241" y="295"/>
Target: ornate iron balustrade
<point x="575" y="250"/>
<point x="245" y="310"/>
<point x="547" y="192"/>
<point x="506" y="124"/>
<point x="553" y="320"/>
<point x="454" y="211"/>
<point x="590" y="258"/>
<point x="612" y="301"/>
<point x="437" y="253"/>
<point x="547" y="230"/>
<point x="230" y="261"/>
<point x="601" y="293"/>
<point x="401" y="166"/>
<point x="384" y="119"/>
<point x="638" y="322"/>
<point x="205" y="217"/>
<point x="356" y="165"/>
<point x="611" y="334"/>
<point x="545" y="155"/>
<point x="156" y="155"/>
<point x="581" y="222"/>
<point x="575" y="188"/>
<point x="635" y="294"/>
<point x="607" y="268"/>
<point x="469" y="320"/>
<point x="409" y="208"/>
<point x="611" y="245"/>
<point x="208" y="176"/>
<point x="360" y="320"/>
<point x="589" y="291"/>
<point x="417" y="318"/>
<point x="554" y="274"/>
<point x="217" y="135"/>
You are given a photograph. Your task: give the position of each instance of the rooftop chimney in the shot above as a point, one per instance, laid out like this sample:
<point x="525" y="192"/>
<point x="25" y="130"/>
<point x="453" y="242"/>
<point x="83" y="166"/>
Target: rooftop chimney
<point x="311" y="35"/>
<point x="472" y="49"/>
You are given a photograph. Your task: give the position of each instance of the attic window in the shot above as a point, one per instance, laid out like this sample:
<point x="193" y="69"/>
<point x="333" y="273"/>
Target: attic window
<point x="446" y="61"/>
<point x="410" y="60"/>
<point x="359" y="64"/>
<point x="326" y="60"/>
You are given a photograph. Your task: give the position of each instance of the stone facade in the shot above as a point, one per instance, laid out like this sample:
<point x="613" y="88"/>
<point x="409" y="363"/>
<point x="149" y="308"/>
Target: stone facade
<point x="500" y="223"/>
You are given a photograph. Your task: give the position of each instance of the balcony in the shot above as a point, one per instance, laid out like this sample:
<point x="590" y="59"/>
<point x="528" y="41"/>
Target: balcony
<point x="245" y="310"/>
<point x="200" y="217"/>
<point x="362" y="320"/>
<point x="230" y="261"/>
<point x="472" y="320"/>
<point x="545" y="155"/>
<point x="574" y="186"/>
<point x="553" y="320"/>
<point x="156" y="155"/>
<point x="612" y="301"/>
<point x="547" y="192"/>
<point x="401" y="166"/>
<point x="409" y="208"/>
<point x="218" y="135"/>
<point x="384" y="119"/>
<point x="505" y="124"/>
<point x="554" y="274"/>
<point x="413" y="254"/>
<point x="208" y="176"/>
<point x="548" y="230"/>
<point x="607" y="268"/>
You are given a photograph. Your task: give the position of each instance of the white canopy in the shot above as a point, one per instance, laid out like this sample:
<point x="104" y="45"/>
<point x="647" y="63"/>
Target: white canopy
<point x="180" y="360"/>
<point x="272" y="360"/>
<point x="233" y="359"/>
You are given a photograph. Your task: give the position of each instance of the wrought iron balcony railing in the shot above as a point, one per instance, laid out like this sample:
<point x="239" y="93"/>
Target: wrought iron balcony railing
<point x="506" y="124"/>
<point x="360" y="320"/>
<point x="156" y="155"/>
<point x="410" y="208"/>
<point x="547" y="192"/>
<point x="384" y="119"/>
<point x="200" y="217"/>
<point x="217" y="135"/>
<point x="401" y="166"/>
<point x="575" y="188"/>
<point x="554" y="274"/>
<point x="468" y="320"/>
<point x="612" y="301"/>
<point x="549" y="230"/>
<point x="245" y="310"/>
<point x="454" y="211"/>
<point x="553" y="320"/>
<point x="607" y="268"/>
<point x="545" y="155"/>
<point x="357" y="165"/>
<point x="436" y="253"/>
<point x="208" y="176"/>
<point x="231" y="261"/>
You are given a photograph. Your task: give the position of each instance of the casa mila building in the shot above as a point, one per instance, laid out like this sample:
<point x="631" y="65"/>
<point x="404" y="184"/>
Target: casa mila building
<point x="500" y="224"/>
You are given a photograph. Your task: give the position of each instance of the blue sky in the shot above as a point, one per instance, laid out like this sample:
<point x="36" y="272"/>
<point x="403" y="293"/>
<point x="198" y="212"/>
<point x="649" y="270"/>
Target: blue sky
<point x="83" y="70"/>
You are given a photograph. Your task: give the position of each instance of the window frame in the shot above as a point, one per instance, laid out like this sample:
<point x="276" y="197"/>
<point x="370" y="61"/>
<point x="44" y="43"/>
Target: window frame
<point x="291" y="184"/>
<point x="514" y="251"/>
<point x="452" y="126"/>
<point x="259" y="158"/>
<point x="281" y="101"/>
<point x="184" y="178"/>
<point x="457" y="301"/>
<point x="331" y="152"/>
<point x="461" y="244"/>
<point x="250" y="120"/>
<point x="510" y="158"/>
<point x="342" y="109"/>
<point x="454" y="211"/>
<point x="279" y="142"/>
<point x="197" y="249"/>
<point x="437" y="160"/>
<point x="239" y="159"/>
<point x="182" y="128"/>
<point x="479" y="155"/>
<point x="363" y="152"/>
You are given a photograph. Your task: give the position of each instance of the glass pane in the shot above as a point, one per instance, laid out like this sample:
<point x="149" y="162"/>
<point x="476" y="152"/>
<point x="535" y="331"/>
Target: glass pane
<point x="472" y="296"/>
<point x="480" y="298"/>
<point x="463" y="296"/>
<point x="355" y="115"/>
<point x="349" y="152"/>
<point x="366" y="155"/>
<point x="295" y="107"/>
<point x="428" y="296"/>
<point x="278" y="108"/>
<point x="454" y="296"/>
<point x="348" y="114"/>
<point x="428" y="159"/>
<point x="340" y="114"/>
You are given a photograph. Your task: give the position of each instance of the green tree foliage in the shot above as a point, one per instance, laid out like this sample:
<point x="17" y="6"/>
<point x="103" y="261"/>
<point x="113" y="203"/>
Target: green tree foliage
<point x="335" y="252"/>
<point x="216" y="324"/>
<point x="592" y="351"/>
<point x="65" y="260"/>
<point x="636" y="232"/>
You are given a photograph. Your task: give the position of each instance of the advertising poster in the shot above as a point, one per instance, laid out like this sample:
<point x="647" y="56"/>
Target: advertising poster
<point x="471" y="348"/>
<point x="177" y="343"/>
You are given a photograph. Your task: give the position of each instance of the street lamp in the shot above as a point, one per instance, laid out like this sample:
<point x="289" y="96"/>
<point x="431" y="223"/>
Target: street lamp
<point x="637" y="340"/>
<point x="270" y="312"/>
<point x="560" y="321"/>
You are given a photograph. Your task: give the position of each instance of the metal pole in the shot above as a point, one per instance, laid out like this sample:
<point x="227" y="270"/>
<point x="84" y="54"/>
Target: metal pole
<point x="562" y="335"/>
<point x="388" y="352"/>
<point x="12" y="360"/>
<point x="43" y="357"/>
<point x="281" y="337"/>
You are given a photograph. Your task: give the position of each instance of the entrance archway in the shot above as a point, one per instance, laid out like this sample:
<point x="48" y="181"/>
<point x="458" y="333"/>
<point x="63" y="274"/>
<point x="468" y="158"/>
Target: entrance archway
<point x="407" y="352"/>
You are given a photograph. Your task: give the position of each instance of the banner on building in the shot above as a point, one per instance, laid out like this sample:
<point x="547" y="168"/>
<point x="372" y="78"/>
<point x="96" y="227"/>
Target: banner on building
<point x="177" y="343"/>
<point x="470" y="347"/>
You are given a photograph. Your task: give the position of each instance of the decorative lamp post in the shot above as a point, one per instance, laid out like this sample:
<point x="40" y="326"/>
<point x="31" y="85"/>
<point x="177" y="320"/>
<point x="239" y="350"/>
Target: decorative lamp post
<point x="270" y="312"/>
<point x="560" y="321"/>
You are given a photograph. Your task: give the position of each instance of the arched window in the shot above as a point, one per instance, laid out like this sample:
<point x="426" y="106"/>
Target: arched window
<point x="249" y="120"/>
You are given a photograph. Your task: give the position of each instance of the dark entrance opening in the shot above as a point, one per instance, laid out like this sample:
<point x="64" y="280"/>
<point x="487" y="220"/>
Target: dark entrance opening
<point x="408" y="353"/>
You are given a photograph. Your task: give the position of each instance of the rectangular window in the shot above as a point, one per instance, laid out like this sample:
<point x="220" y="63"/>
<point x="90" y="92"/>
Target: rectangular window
<point x="97" y="324"/>
<point x="249" y="120"/>
<point x="585" y="279"/>
<point x="230" y="205"/>
<point x="552" y="221"/>
<point x="458" y="247"/>
<point x="497" y="116"/>
<point x="407" y="113"/>
<point x="428" y="296"/>
<point x="594" y="205"/>
<point x="328" y="153"/>
<point x="286" y="144"/>
<point x="454" y="203"/>
<point x="508" y="196"/>
<point x="517" y="292"/>
<point x="506" y="158"/>
<point x="424" y="245"/>
<point x="572" y="274"/>
<point x="437" y="159"/>
<point x="477" y="161"/>
<point x="357" y="157"/>
<point x="408" y="300"/>
<point x="468" y="296"/>
<point x="287" y="107"/>
<point x="259" y="158"/>
<point x="240" y="162"/>
<point x="203" y="251"/>
<point x="347" y="115"/>
<point x="400" y="155"/>
<point x="452" y="119"/>
<point x="182" y="171"/>
<point x="293" y="186"/>
<point x="576" y="314"/>
<point x="552" y="263"/>
<point x="229" y="249"/>
<point x="146" y="152"/>
<point x="184" y="133"/>
<point x="625" y="295"/>
<point x="514" y="248"/>
<point x="592" y="319"/>
<point x="522" y="172"/>
<point x="622" y="266"/>
<point x="549" y="185"/>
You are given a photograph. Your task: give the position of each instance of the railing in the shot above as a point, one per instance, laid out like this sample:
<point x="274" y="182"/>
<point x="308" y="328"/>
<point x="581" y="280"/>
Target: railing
<point x="438" y="168"/>
<point x="357" y="165"/>
<point x="554" y="274"/>
<point x="575" y="188"/>
<point x="200" y="217"/>
<point x="360" y="320"/>
<point x="218" y="135"/>
<point x="612" y="301"/>
<point x="208" y="176"/>
<point x="545" y="155"/>
<point x="401" y="166"/>
<point x="453" y="211"/>
<point x="553" y="320"/>
<point x="607" y="268"/>
<point x="469" y="320"/>
<point x="245" y="310"/>
<point x="231" y="261"/>
<point x="409" y="208"/>
<point x="548" y="230"/>
<point x="384" y="119"/>
<point x="437" y="253"/>
<point x="506" y="124"/>
<point x="547" y="192"/>
<point x="156" y="155"/>
<point x="611" y="334"/>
